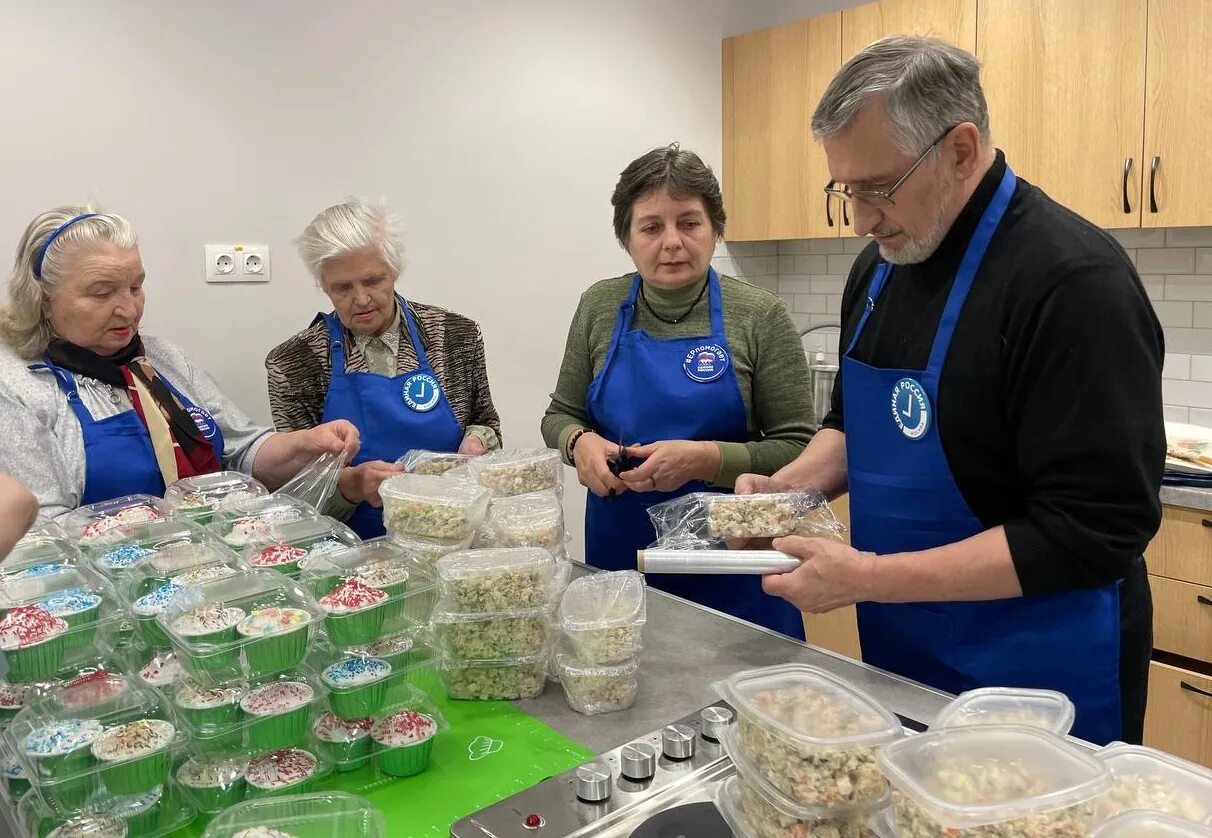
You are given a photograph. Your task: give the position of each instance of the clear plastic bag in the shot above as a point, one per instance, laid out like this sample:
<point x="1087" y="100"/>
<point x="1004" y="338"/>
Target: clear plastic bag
<point x="602" y="616"/>
<point x="317" y="483"/>
<point x="419" y="461"/>
<point x="708" y="519"/>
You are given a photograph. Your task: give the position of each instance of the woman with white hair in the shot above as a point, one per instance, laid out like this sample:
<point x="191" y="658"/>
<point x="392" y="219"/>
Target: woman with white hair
<point x="407" y="374"/>
<point x="93" y="410"/>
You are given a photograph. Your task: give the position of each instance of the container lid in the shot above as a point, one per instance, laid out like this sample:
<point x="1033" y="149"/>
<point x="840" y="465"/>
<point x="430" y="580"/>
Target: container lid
<point x="431" y="463"/>
<point x="90" y="826"/>
<point x="298" y="541"/>
<point x="846" y="716"/>
<point x="444" y="616"/>
<point x="322" y="813"/>
<point x="538" y="660"/>
<point x="573" y="668"/>
<point x="107" y="520"/>
<point x="41" y="531"/>
<point x="1044" y="709"/>
<point x="604" y="600"/>
<point x="1145" y="778"/>
<point x="469" y="563"/>
<point x="208" y="489"/>
<point x="1019" y="771"/>
<point x="427" y="488"/>
<point x="509" y="457"/>
<point x="529" y="510"/>
<point x="39" y="551"/>
<point x="238" y="518"/>
<point x="729" y="796"/>
<point x="1151" y="824"/>
<point x="62" y="593"/>
<point x="517" y="471"/>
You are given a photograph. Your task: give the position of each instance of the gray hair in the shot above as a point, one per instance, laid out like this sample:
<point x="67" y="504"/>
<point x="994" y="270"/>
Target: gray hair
<point x="683" y="173"/>
<point x="344" y="228"/>
<point x="23" y="322"/>
<point x="926" y="85"/>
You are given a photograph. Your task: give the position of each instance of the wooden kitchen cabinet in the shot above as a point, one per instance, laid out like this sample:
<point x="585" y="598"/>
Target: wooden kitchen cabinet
<point x="836" y="631"/>
<point x="951" y="20"/>
<point x="1179" y="716"/>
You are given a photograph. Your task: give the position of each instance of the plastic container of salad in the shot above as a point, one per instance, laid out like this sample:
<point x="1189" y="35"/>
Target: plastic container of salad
<point x="1044" y="709"/>
<point x="495" y="580"/>
<point x="1145" y="778"/>
<point x="432" y="507"/>
<point x="431" y="463"/>
<point x="518" y="471"/>
<point x="602" y="616"/>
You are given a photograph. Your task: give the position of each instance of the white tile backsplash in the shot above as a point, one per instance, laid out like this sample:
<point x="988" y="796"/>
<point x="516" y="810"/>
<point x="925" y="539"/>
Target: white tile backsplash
<point x="1203" y="261"/>
<point x="1176" y="314"/>
<point x="1173" y="413"/>
<point x="1189" y="237"/>
<point x="1177" y="366"/>
<point x="1130" y="239"/>
<point x="1166" y="260"/>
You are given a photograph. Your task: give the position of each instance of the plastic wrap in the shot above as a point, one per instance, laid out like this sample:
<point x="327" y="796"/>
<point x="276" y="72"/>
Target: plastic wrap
<point x="431" y="463"/>
<point x="706" y="519"/>
<point x="98" y="523"/>
<point x="509" y="472"/>
<point x="432" y="507"/>
<point x="750" y="813"/>
<point x="197" y="498"/>
<point x="427" y="551"/>
<point x="291" y="544"/>
<point x="602" y="616"/>
<point x="1145" y="778"/>
<point x="481" y="636"/>
<point x="317" y="483"/>
<point x="257" y="518"/>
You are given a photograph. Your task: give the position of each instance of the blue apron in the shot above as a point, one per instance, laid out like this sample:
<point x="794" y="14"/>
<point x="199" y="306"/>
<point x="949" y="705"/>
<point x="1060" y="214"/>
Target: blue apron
<point x="904" y="499"/>
<point x="683" y="388"/>
<point x="392" y="413"/>
<point x="118" y="455"/>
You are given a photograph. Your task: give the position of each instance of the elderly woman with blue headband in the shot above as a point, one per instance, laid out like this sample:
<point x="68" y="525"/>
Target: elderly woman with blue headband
<point x="90" y="408"/>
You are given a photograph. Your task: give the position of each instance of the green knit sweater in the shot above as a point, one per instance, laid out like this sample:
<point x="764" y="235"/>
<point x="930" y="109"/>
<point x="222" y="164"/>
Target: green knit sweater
<point x="767" y="356"/>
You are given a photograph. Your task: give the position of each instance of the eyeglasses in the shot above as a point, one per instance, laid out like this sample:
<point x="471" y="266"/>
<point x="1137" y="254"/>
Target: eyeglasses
<point x="882" y="197"/>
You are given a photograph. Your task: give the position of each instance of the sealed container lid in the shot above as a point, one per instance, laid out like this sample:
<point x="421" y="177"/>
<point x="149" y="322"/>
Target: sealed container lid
<point x="364" y="559"/>
<point x="48" y="530"/>
<point x="853" y="718"/>
<point x="61" y="590"/>
<point x="1151" y="824"/>
<point x="530" y="509"/>
<point x="298" y="541"/>
<point x="518" y="471"/>
<point x="431" y="463"/>
<point x="328" y="813"/>
<point x="209" y="491"/>
<point x="1044" y="709"/>
<point x="447" y="617"/>
<point x="1145" y="778"/>
<point x="427" y="488"/>
<point x="604" y="600"/>
<point x="535" y="661"/>
<point x="37" y="557"/>
<point x="107" y="520"/>
<point x="975" y="776"/>
<point x="90" y="826"/>
<point x="749" y="813"/>
<point x="468" y="563"/>
<point x="568" y="665"/>
<point x="238" y="523"/>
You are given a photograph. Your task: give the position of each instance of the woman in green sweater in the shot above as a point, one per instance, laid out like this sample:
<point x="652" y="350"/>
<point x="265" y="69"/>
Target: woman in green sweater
<point x="703" y="378"/>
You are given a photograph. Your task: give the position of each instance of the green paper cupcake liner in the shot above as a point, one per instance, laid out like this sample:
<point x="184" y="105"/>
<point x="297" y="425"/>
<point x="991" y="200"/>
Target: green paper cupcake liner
<point x="359" y="702"/>
<point x="138" y="775"/>
<point x="404" y="760"/>
<point x="393" y="620"/>
<point x="321" y="585"/>
<point x="290" y="569"/>
<point x="38" y="662"/>
<point x="7" y="714"/>
<point x="219" y="744"/>
<point x="155" y="636"/>
<point x="212" y="718"/>
<point x="346" y="756"/>
<point x="356" y="629"/>
<point x="301" y="787"/>
<point x="17" y="786"/>
<point x="146" y="821"/>
<point x="271" y="733"/>
<point x="216" y="664"/>
<point x="69" y="796"/>
<point x="277" y="653"/>
<point x="82" y="628"/>
<point x="213" y="799"/>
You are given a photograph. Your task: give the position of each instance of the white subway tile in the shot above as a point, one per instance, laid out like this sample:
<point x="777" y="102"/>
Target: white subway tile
<point x="1128" y="239"/>
<point x="1189" y="237"/>
<point x="1155" y="285"/>
<point x="828" y="284"/>
<point x="835" y="303"/>
<point x="1187" y="393"/>
<point x="1176" y="314"/>
<point x="738" y="249"/>
<point x="1178" y="366"/>
<point x="811" y="264"/>
<point x="1132" y="256"/>
<point x="795" y="247"/>
<point x="724" y="265"/>
<point x="840" y="264"/>
<point x="788" y="300"/>
<point x="1188" y="287"/>
<point x="786" y="264"/>
<point x="795" y="285"/>
<point x="1201" y="367"/>
<point x="759" y="265"/>
<point x="827" y="246"/>
<point x="1196" y="416"/>
<point x="1202" y="316"/>
<point x="1174" y="413"/>
<point x="854" y="244"/>
<point x="1190" y="341"/>
<point x="765" y="248"/>
<point x="1166" y="260"/>
<point x="810" y="303"/>
<point x="1203" y="260"/>
<point x="767" y="283"/>
<point x="817" y="341"/>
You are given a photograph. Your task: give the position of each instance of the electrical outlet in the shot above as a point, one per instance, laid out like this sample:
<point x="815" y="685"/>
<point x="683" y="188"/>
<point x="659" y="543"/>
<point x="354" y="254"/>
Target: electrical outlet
<point x="236" y="263"/>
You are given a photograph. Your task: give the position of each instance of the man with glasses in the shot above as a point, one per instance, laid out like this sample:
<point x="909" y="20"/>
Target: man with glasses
<point x="997" y="417"/>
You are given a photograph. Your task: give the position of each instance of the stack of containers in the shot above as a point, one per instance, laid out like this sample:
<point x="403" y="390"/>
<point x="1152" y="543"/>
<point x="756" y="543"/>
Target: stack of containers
<point x="239" y="523"/>
<point x="804" y="747"/>
<point x="1153" y="825"/>
<point x="601" y="620"/>
<point x="432" y="516"/>
<point x="1042" y="709"/>
<point x="198" y="498"/>
<point x="331" y="813"/>
<point x="1148" y="779"/>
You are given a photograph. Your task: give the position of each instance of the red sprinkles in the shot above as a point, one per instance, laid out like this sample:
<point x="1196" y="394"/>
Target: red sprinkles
<point x="26" y="625"/>
<point x="276" y="555"/>
<point x="353" y="595"/>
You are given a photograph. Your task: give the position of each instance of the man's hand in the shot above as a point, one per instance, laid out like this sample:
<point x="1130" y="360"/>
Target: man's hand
<point x="671" y="464"/>
<point x="361" y="482"/>
<point x="830" y="575"/>
<point x="473" y="446"/>
<point x="758" y="484"/>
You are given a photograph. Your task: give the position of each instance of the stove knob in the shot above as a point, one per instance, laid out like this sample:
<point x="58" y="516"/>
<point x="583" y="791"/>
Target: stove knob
<point x="715" y="720"/>
<point x="593" y="782"/>
<point x="677" y="741"/>
<point x="639" y="761"/>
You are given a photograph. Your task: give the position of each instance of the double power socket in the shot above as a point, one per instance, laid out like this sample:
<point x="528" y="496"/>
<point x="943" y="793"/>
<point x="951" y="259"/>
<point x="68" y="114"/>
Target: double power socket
<point x="237" y="263"/>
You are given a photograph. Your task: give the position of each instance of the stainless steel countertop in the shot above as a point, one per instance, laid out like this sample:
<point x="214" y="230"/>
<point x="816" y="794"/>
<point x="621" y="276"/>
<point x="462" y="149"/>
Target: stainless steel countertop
<point x="1188" y="496"/>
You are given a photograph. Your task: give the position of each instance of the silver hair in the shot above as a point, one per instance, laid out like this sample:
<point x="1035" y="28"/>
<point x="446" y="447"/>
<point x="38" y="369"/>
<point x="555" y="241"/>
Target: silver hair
<point x="353" y="225"/>
<point x="926" y="85"/>
<point x="23" y="322"/>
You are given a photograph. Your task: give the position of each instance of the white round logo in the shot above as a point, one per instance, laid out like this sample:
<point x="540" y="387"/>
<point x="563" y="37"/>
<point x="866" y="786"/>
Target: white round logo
<point x="911" y="408"/>
<point x="422" y="392"/>
<point x="705" y="363"/>
<point x="204" y="421"/>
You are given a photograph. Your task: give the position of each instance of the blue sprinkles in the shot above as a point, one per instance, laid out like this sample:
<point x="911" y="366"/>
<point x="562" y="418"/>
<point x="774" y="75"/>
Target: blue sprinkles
<point x="62" y="737"/>
<point x="123" y="557"/>
<point x="156" y="601"/>
<point x="356" y="671"/>
<point x="14" y="771"/>
<point x="71" y="601"/>
<point x="41" y="570"/>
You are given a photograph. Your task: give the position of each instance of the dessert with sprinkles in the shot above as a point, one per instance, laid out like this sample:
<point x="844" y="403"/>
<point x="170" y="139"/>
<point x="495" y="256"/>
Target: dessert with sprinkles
<point x="281" y="713"/>
<point x="206" y="707"/>
<point x="34" y="643"/>
<point x="357" y="686"/>
<point x="346" y="744"/>
<point x="396" y="650"/>
<point x="59" y="753"/>
<point x="135" y="757"/>
<point x="277" y="639"/>
<point x="79" y="608"/>
<point x="354" y="613"/>
<point x="288" y="771"/>
<point x="391" y="577"/>
<point x="163" y="670"/>
<point x="142" y="813"/>
<point x="151" y="605"/>
<point x="213" y="785"/>
<point x="90" y="826"/>
<point x="15" y="780"/>
<point x="13" y="698"/>
<point x="281" y="557"/>
<point x="91" y="688"/>
<point x="246" y="530"/>
<point x="204" y="628"/>
<point x="403" y="742"/>
<point x="123" y="557"/>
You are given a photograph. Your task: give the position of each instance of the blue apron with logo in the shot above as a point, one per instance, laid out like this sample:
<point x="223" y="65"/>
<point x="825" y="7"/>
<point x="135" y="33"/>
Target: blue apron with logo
<point x="392" y="413"/>
<point x="118" y="455"/>
<point x="682" y="388"/>
<point x="904" y="499"/>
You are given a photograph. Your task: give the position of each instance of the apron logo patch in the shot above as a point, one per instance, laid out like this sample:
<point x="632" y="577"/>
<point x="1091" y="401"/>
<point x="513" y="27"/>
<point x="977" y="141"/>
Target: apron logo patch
<point x="204" y="421"/>
<point x="705" y="363"/>
<point x="483" y="746"/>
<point x="422" y="392"/>
<point x="911" y="408"/>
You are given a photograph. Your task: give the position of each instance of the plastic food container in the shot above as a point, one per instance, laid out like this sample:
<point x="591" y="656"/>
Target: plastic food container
<point x="494" y="680"/>
<point x="148" y="591"/>
<point x="496" y="580"/>
<point x="432" y="507"/>
<point x="161" y="671"/>
<point x="809" y="734"/>
<point x="292" y="543"/>
<point x="346" y="744"/>
<point x="992" y="781"/>
<point x="241" y="627"/>
<point x="509" y="472"/>
<point x="369" y="591"/>
<point x="1151" y="824"/>
<point x="602" y="616"/>
<point x="197" y="498"/>
<point x="431" y="463"/>
<point x="52" y="621"/>
<point x="413" y="659"/>
<point x="284" y="772"/>
<point x="427" y="551"/>
<point x="1145" y="778"/>
<point x="1044" y="709"/>
<point x="213" y="785"/>
<point x="751" y="814"/>
<point x="531" y="520"/>
<point x="30" y="555"/>
<point x="481" y="636"/>
<point x="593" y="688"/>
<point x="43" y="531"/>
<point x="240" y="720"/>
<point x="99" y="523"/>
<point x="159" y="812"/>
<point x="239" y="523"/>
<point x="768" y="515"/>
<point x="106" y="731"/>
<point x="167" y="545"/>
<point x="318" y="815"/>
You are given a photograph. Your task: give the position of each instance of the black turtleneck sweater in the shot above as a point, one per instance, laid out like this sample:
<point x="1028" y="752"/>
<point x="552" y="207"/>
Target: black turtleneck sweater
<point x="1049" y="406"/>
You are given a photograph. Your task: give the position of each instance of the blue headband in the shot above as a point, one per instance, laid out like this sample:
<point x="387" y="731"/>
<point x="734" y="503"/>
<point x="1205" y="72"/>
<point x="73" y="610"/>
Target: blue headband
<point x="51" y="240"/>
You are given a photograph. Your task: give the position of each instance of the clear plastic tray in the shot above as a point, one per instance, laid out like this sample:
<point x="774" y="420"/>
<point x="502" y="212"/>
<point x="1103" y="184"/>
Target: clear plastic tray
<point x="1008" y="780"/>
<point x="230" y="644"/>
<point x="37" y="555"/>
<point x="1145" y="778"/>
<point x="160" y="670"/>
<point x="1151" y="825"/>
<point x="431" y="463"/>
<point x="149" y="595"/>
<point x="503" y="579"/>
<point x="242" y="522"/>
<point x="592" y="689"/>
<point x="318" y="815"/>
<point x="506" y="680"/>
<point x="349" y="744"/>
<point x="751" y="814"/>
<point x="285" y="772"/>
<point x="490" y="636"/>
<point x="43" y="531"/>
<point x="427" y="551"/>
<point x="167" y="544"/>
<point x="291" y="543"/>
<point x="432" y="507"/>
<point x="99" y="523"/>
<point x="384" y="566"/>
<point x="197" y="498"/>
<point x="810" y="734"/>
<point x="212" y="785"/>
<point x="602" y="616"/>
<point x="108" y="731"/>
<point x="153" y="814"/>
<point x="411" y="654"/>
<point x="1044" y="709"/>
<point x="54" y="621"/>
<point x="531" y="520"/>
<point x="509" y="472"/>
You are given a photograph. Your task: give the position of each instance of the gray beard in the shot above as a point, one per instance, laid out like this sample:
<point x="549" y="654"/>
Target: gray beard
<point x="919" y="250"/>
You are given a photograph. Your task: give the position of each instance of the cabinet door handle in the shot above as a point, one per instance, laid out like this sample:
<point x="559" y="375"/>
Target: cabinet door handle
<point x="1153" y="184"/>
<point x="1203" y="600"/>
<point x="1127" y="169"/>
<point x="845" y="214"/>
<point x="1191" y="688"/>
<point x="829" y="214"/>
<point x="1207" y="522"/>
